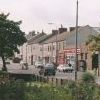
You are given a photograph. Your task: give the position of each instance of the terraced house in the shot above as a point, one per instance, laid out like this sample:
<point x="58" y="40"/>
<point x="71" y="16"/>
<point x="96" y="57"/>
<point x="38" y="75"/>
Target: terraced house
<point x="59" y="47"/>
<point x="84" y="55"/>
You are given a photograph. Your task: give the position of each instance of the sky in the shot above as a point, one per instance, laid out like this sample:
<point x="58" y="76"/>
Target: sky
<point x="36" y="14"/>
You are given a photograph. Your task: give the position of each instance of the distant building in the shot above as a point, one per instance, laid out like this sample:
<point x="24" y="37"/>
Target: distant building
<point x="33" y="48"/>
<point x="68" y="54"/>
<point x="52" y="44"/>
<point x="59" y="46"/>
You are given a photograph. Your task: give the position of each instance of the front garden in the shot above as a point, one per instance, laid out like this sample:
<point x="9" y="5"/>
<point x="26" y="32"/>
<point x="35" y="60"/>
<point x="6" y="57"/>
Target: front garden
<point x="84" y="89"/>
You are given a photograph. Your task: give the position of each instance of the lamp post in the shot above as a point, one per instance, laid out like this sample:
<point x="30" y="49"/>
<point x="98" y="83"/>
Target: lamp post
<point x="57" y="46"/>
<point x="26" y="53"/>
<point x="56" y="42"/>
<point x="76" y="55"/>
<point x="42" y="53"/>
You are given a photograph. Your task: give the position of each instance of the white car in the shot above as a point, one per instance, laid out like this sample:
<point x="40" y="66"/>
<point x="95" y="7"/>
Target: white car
<point x="38" y="64"/>
<point x="69" y="68"/>
<point x="61" y="68"/>
<point x="65" y="68"/>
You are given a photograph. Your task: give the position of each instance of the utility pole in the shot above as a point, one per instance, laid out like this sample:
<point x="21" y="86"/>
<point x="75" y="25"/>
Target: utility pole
<point x="42" y="49"/>
<point x="57" y="46"/>
<point x="76" y="55"/>
<point x="56" y="37"/>
<point x="26" y="53"/>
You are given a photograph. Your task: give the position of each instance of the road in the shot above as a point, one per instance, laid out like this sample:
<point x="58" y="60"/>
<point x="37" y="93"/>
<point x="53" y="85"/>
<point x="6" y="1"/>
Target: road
<point x="16" y="68"/>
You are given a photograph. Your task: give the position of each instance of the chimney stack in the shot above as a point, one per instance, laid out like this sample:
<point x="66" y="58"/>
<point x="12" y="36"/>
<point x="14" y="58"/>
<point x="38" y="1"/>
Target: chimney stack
<point x="54" y="32"/>
<point x="62" y="29"/>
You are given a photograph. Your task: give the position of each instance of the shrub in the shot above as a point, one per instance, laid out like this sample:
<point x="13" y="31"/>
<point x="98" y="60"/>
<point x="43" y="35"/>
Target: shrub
<point x="88" y="78"/>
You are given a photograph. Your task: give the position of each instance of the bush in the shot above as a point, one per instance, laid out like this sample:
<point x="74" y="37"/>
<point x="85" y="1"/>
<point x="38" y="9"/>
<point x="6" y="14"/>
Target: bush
<point x="25" y="77"/>
<point x="88" y="78"/>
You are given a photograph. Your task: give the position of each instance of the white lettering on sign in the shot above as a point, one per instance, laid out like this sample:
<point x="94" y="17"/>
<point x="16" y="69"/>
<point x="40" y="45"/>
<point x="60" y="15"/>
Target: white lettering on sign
<point x="72" y="51"/>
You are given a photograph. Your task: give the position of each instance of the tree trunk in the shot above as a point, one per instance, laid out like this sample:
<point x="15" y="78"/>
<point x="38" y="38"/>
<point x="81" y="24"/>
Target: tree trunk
<point x="4" y="68"/>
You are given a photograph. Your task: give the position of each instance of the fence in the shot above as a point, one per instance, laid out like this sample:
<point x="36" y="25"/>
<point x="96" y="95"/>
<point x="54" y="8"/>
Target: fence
<point x="50" y="80"/>
<point x="38" y="78"/>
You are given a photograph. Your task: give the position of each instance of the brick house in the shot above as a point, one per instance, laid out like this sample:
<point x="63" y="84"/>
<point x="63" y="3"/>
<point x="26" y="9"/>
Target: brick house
<point x="68" y="54"/>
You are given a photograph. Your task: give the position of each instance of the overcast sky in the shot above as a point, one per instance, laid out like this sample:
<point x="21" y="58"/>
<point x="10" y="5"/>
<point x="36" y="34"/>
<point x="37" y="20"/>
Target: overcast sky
<point x="36" y="14"/>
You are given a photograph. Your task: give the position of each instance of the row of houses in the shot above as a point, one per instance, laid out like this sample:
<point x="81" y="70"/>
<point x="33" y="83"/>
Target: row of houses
<point x="59" y="46"/>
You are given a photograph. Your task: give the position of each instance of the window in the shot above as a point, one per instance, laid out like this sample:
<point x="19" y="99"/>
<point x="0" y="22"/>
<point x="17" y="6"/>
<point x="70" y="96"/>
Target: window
<point x="59" y="46"/>
<point x="31" y="48"/>
<point x="28" y="48"/>
<point x="48" y="48"/>
<point x="53" y="47"/>
<point x="63" y="45"/>
<point x="85" y="55"/>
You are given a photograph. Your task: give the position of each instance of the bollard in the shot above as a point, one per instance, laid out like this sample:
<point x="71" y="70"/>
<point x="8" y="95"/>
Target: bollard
<point x="56" y="81"/>
<point x="61" y="81"/>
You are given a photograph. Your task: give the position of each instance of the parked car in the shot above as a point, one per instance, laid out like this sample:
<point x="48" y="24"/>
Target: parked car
<point x="65" y="68"/>
<point x="38" y="64"/>
<point x="48" y="69"/>
<point x="61" y="67"/>
<point x="69" y="68"/>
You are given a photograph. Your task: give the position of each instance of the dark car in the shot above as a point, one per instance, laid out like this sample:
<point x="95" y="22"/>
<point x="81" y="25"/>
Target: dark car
<point x="48" y="69"/>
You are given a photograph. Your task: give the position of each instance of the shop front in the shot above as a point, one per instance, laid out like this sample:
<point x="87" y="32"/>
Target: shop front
<point x="68" y="56"/>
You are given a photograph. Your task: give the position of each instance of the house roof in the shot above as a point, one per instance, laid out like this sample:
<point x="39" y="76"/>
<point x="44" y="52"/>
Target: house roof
<point x="56" y="37"/>
<point x="36" y="38"/>
<point x="82" y="35"/>
<point x="46" y="38"/>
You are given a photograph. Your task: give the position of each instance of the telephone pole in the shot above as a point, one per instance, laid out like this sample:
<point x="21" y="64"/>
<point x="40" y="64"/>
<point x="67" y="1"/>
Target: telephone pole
<point x="76" y="55"/>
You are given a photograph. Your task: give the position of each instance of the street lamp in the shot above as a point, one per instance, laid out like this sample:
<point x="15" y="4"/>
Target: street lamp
<point x="76" y="55"/>
<point x="26" y="53"/>
<point x="56" y="42"/>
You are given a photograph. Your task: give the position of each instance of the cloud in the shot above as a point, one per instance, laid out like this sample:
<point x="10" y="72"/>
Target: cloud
<point x="35" y="14"/>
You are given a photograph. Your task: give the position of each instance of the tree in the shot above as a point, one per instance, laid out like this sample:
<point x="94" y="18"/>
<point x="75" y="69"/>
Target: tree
<point x="11" y="37"/>
<point x="94" y="43"/>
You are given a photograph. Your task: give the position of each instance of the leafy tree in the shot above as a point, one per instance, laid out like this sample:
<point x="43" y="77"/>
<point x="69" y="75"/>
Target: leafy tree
<point x="11" y="37"/>
<point x="94" y="43"/>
